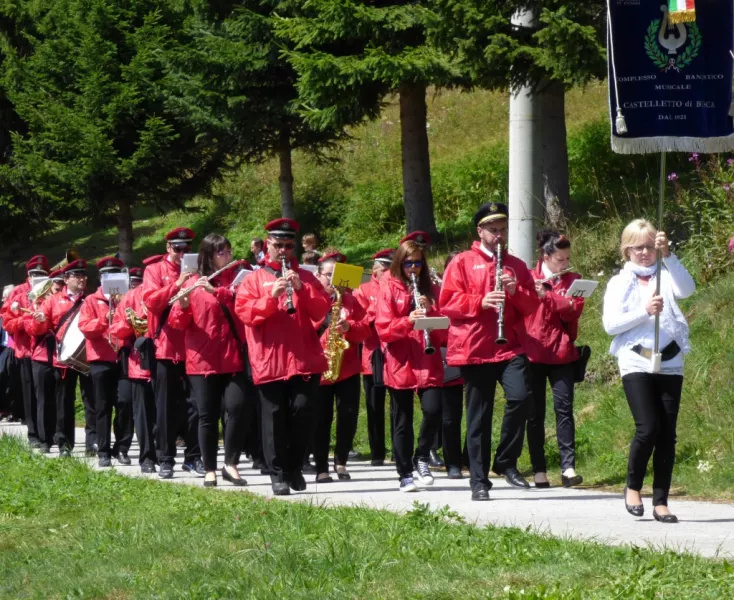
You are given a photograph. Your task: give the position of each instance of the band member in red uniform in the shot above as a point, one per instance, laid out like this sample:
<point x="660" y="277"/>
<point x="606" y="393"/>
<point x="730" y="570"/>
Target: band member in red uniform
<point x="470" y="298"/>
<point x="551" y="332"/>
<point x="279" y="309"/>
<point x="175" y="410"/>
<point x="129" y="324"/>
<point x="409" y="368"/>
<point x="214" y="357"/>
<point x="102" y="354"/>
<point x="374" y="384"/>
<point x="350" y="326"/>
<point x="54" y="318"/>
<point x="13" y="324"/>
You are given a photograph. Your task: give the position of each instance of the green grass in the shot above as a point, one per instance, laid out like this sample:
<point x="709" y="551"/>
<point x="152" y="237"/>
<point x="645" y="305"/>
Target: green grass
<point x="69" y="532"/>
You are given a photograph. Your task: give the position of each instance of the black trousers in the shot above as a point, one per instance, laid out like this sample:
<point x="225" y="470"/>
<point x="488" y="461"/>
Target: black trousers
<point x="481" y="381"/>
<point x="45" y="386"/>
<point x="346" y="393"/>
<point x="211" y="393"/>
<point x="123" y="426"/>
<point x="11" y="399"/>
<point x="401" y="403"/>
<point x="144" y="415"/>
<point x="561" y="381"/>
<point x="287" y="409"/>
<point x="30" y="402"/>
<point x="453" y="410"/>
<point x="175" y="413"/>
<point x="106" y="382"/>
<point x="654" y="400"/>
<point x="253" y="427"/>
<point x="66" y="380"/>
<point x="375" y="403"/>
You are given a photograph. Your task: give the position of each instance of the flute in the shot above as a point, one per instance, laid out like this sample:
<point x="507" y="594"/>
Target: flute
<point x="289" y="308"/>
<point x="188" y="290"/>
<point x="563" y="272"/>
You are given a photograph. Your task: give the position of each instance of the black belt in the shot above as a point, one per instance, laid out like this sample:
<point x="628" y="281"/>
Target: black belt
<point x="670" y="351"/>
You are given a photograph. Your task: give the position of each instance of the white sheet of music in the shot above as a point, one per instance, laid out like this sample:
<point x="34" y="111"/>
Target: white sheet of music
<point x="581" y="288"/>
<point x="432" y="323"/>
<point x="189" y="263"/>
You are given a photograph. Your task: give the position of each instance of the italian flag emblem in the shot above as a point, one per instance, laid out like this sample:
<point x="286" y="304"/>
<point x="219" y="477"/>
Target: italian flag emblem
<point x="682" y="11"/>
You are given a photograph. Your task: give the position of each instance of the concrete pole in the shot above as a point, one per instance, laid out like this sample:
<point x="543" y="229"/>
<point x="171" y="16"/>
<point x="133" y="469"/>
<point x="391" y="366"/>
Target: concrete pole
<point x="526" y="177"/>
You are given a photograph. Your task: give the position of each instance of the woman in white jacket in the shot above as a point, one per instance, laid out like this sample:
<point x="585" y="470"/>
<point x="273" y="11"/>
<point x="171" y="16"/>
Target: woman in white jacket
<point x="630" y="306"/>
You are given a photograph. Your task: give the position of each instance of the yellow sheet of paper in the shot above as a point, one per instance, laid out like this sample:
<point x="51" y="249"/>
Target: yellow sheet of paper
<point x="347" y="276"/>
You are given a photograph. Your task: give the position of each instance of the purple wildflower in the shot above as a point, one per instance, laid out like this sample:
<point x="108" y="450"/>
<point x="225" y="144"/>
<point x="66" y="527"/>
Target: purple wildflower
<point x="673" y="177"/>
<point x="694" y="158"/>
<point x="726" y="187"/>
<point x="730" y="162"/>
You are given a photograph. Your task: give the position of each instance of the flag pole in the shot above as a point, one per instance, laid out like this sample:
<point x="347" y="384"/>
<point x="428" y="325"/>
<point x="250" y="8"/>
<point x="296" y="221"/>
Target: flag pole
<point x="656" y="356"/>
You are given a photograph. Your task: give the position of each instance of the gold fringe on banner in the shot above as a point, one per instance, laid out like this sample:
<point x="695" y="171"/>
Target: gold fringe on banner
<point x="682" y="16"/>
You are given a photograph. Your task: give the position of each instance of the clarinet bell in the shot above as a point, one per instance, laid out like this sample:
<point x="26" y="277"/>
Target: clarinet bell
<point x="501" y="340"/>
<point x="429" y="350"/>
<point x="291" y="309"/>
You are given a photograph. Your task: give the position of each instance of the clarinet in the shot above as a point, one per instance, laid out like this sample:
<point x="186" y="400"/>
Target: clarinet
<point x="428" y="347"/>
<point x="499" y="287"/>
<point x="290" y="309"/>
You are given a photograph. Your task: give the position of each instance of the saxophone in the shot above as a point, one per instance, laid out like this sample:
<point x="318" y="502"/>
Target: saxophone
<point x="336" y="344"/>
<point x="139" y="325"/>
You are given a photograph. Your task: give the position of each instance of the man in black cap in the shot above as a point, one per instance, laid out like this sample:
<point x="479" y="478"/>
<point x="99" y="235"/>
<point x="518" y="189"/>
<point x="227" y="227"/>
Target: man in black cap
<point x="480" y="304"/>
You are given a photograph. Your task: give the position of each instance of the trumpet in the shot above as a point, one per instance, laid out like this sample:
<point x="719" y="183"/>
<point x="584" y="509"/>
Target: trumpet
<point x="428" y="347"/>
<point x="290" y="309"/>
<point x="552" y="277"/>
<point x="139" y="324"/>
<point x="188" y="290"/>
<point x="499" y="287"/>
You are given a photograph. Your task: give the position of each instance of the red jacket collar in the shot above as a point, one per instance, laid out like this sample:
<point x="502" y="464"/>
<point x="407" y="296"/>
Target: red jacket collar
<point x="275" y="266"/>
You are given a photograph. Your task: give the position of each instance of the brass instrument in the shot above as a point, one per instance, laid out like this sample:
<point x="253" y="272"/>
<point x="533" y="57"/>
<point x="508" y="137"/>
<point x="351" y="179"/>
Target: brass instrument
<point x="499" y="287"/>
<point x="290" y="309"/>
<point x="139" y="324"/>
<point x="336" y="343"/>
<point x="40" y="292"/>
<point x="428" y="347"/>
<point x="71" y="256"/>
<point x="188" y="290"/>
<point x="552" y="277"/>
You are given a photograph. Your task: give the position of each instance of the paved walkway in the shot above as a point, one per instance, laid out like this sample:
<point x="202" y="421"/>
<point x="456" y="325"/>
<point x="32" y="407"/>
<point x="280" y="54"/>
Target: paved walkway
<point x="705" y="528"/>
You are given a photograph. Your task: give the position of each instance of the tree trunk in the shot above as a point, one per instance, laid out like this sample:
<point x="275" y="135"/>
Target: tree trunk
<point x="287" y="203"/>
<point x="125" y="231"/>
<point x="554" y="154"/>
<point x="417" y="193"/>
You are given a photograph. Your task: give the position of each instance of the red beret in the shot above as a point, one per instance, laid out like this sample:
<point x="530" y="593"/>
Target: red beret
<point x="77" y="266"/>
<point x="335" y="256"/>
<point x="136" y="273"/>
<point x="109" y="263"/>
<point x="283" y="228"/>
<point x="37" y="263"/>
<point x="419" y="237"/>
<point x="57" y="275"/>
<point x="153" y="259"/>
<point x="385" y="255"/>
<point x="180" y="234"/>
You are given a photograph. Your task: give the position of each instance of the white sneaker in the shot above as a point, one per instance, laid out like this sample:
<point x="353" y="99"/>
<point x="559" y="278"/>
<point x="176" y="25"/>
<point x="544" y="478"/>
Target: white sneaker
<point x="424" y="472"/>
<point x="408" y="485"/>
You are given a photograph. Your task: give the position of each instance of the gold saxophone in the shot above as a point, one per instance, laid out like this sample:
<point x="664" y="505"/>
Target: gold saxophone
<point x="336" y="343"/>
<point x="139" y="324"/>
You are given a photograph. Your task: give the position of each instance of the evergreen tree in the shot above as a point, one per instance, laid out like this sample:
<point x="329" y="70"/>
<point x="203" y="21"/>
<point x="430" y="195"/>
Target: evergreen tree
<point x="350" y="55"/>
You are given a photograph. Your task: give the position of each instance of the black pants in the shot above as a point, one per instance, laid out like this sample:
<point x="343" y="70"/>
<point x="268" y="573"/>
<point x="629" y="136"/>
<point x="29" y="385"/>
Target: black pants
<point x="210" y="393"/>
<point x="481" y="381"/>
<point x="401" y="403"/>
<point x="11" y="399"/>
<point x="453" y="409"/>
<point x="287" y="419"/>
<point x="106" y="382"/>
<point x="346" y="393"/>
<point x="66" y="380"/>
<point x="175" y="413"/>
<point x="30" y="402"/>
<point x="561" y="380"/>
<point x="123" y="426"/>
<point x="654" y="400"/>
<point x="144" y="415"/>
<point x="375" y="402"/>
<point x="253" y="427"/>
<point x="44" y="383"/>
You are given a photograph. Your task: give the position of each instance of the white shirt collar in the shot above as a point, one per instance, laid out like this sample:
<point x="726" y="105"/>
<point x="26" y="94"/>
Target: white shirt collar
<point x="486" y="250"/>
<point x="546" y="271"/>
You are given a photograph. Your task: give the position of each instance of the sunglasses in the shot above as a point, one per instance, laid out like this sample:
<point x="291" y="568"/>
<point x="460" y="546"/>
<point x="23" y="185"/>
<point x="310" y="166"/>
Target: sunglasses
<point x="78" y="275"/>
<point x="407" y="264"/>
<point x="279" y="246"/>
<point x="178" y="249"/>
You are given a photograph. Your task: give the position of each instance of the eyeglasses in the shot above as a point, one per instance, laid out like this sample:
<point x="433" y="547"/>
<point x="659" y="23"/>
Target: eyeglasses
<point x="178" y="249"/>
<point x="408" y="264"/>
<point x="279" y="246"/>
<point x="639" y="249"/>
<point x="494" y="231"/>
<point x="327" y="274"/>
<point x="78" y="275"/>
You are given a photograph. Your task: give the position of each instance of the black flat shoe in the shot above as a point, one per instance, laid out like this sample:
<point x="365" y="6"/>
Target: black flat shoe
<point x="571" y="481"/>
<point x="308" y="468"/>
<point x="636" y="510"/>
<point x="480" y="494"/>
<point x="281" y="488"/>
<point x="123" y="458"/>
<point x="296" y="481"/>
<point x="434" y="460"/>
<point x="542" y="485"/>
<point x="376" y="462"/>
<point x="664" y="518"/>
<point x="514" y="478"/>
<point x="454" y="473"/>
<point x="212" y="483"/>
<point x="233" y="480"/>
<point x="324" y="478"/>
<point x="343" y="476"/>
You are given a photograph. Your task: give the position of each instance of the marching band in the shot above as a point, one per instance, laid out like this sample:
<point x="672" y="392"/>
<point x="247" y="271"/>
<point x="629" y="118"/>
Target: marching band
<point x="271" y="351"/>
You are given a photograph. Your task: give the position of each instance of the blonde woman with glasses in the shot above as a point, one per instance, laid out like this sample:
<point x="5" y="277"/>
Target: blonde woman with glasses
<point x="630" y="307"/>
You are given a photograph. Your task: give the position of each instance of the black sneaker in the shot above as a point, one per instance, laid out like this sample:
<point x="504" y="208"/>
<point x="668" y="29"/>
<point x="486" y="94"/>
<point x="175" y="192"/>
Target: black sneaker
<point x="308" y="468"/>
<point x="166" y="472"/>
<point x="104" y="462"/>
<point x="64" y="453"/>
<point x="454" y="473"/>
<point x="377" y="462"/>
<point x="147" y="467"/>
<point x="123" y="458"/>
<point x="197" y="468"/>
<point x="354" y="455"/>
<point x="424" y="473"/>
<point x="296" y="481"/>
